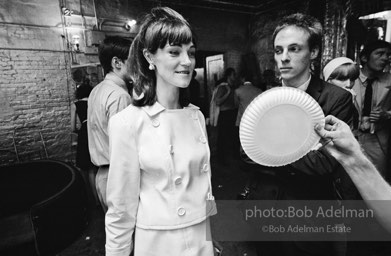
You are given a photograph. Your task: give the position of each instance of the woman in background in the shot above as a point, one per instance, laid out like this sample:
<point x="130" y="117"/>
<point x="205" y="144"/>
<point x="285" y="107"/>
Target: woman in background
<point x="79" y="116"/>
<point x="227" y="137"/>
<point x="159" y="183"/>
<point x="343" y="72"/>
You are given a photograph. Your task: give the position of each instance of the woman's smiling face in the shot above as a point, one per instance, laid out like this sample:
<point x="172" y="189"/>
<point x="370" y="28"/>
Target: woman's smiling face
<point x="174" y="64"/>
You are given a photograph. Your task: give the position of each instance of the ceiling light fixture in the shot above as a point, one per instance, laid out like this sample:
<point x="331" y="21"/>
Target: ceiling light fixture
<point x="129" y="24"/>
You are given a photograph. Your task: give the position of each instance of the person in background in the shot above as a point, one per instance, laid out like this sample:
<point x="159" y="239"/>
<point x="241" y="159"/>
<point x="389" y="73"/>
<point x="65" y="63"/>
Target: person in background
<point x="79" y="116"/>
<point x="340" y="142"/>
<point x="159" y="184"/>
<point x="269" y="77"/>
<point x="224" y="99"/>
<point x="106" y="99"/>
<point x="343" y="72"/>
<point x="373" y="90"/>
<point x="94" y="79"/>
<point x="297" y="41"/>
<point x="243" y="96"/>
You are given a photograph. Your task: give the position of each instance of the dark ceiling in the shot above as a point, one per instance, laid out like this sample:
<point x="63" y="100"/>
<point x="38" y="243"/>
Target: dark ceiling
<point x="243" y="6"/>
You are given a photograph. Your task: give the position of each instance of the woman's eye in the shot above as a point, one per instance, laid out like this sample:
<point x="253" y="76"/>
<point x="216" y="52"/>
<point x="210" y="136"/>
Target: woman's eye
<point x="277" y="51"/>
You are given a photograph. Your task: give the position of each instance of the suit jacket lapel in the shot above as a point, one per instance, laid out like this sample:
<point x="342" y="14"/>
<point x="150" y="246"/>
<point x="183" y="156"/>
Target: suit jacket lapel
<point x="381" y="93"/>
<point x="315" y="88"/>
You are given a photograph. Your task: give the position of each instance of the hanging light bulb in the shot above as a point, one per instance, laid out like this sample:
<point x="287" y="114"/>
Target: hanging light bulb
<point x="129" y="24"/>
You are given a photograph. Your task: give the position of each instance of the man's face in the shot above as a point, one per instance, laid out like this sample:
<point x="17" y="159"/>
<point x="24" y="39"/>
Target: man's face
<point x="378" y="59"/>
<point x="293" y="55"/>
<point x="231" y="79"/>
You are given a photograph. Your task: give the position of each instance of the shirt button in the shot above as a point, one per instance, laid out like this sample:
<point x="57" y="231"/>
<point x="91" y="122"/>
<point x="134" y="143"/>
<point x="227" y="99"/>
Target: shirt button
<point x="205" y="168"/>
<point x="171" y="149"/>
<point x="181" y="211"/>
<point x="155" y="122"/>
<point x="202" y="139"/>
<point x="178" y="180"/>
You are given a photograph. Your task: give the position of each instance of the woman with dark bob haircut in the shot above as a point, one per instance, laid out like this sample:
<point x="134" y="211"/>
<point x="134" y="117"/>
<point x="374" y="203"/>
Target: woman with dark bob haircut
<point x="159" y="183"/>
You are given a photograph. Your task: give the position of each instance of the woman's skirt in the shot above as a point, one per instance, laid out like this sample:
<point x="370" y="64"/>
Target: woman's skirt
<point x="190" y="241"/>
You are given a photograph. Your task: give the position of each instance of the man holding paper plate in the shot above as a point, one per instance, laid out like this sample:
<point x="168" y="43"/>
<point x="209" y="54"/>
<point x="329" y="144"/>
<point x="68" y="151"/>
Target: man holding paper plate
<point x="297" y="44"/>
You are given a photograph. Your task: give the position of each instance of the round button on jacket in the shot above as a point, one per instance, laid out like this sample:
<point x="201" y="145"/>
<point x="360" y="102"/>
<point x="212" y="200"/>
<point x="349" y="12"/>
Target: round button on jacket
<point x="155" y="122"/>
<point x="181" y="211"/>
<point x="202" y="139"/>
<point x="205" y="168"/>
<point x="178" y="180"/>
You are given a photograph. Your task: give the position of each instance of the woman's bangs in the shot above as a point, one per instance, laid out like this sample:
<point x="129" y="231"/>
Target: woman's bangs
<point x="175" y="34"/>
<point x="345" y="72"/>
<point x="342" y="75"/>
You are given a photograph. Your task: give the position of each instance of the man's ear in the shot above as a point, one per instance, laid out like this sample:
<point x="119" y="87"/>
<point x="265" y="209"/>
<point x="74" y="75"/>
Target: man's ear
<point x="148" y="56"/>
<point x="116" y="63"/>
<point x="314" y="53"/>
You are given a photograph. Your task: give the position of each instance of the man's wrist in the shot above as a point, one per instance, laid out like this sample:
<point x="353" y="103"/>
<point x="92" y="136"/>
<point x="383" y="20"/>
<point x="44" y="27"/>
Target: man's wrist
<point x="356" y="159"/>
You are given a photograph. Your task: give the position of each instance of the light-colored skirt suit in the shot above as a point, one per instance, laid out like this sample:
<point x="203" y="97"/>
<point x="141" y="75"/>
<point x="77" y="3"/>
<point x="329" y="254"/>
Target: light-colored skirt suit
<point x="159" y="183"/>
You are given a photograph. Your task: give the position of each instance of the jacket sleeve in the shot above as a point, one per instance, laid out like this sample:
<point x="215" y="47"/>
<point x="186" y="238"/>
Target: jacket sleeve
<point x="123" y="188"/>
<point x="320" y="162"/>
<point x="344" y="108"/>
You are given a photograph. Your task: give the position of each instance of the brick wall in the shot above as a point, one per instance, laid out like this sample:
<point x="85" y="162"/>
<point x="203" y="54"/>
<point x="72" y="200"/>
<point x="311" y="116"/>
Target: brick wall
<point x="35" y="99"/>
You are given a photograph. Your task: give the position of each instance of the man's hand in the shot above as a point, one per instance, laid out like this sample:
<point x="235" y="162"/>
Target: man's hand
<point x="338" y="139"/>
<point x="377" y="115"/>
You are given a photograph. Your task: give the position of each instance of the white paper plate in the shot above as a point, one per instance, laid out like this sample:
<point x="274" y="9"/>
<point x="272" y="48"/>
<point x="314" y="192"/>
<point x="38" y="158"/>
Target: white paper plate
<point x="277" y="127"/>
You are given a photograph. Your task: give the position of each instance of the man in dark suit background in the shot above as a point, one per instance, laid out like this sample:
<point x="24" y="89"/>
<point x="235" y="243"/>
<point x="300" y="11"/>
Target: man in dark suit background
<point x="373" y="88"/>
<point x="297" y="44"/>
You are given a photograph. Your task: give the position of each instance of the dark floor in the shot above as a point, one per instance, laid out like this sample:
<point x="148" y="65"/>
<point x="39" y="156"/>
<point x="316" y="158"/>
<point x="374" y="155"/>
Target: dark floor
<point x="227" y="180"/>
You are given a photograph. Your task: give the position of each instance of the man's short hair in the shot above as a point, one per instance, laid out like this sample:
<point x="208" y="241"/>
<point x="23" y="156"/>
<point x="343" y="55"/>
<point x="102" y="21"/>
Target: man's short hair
<point x="113" y="46"/>
<point x="305" y="22"/>
<point x="371" y="46"/>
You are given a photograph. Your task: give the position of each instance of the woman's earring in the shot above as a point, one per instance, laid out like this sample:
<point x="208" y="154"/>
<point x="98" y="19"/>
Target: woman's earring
<point x="151" y="66"/>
